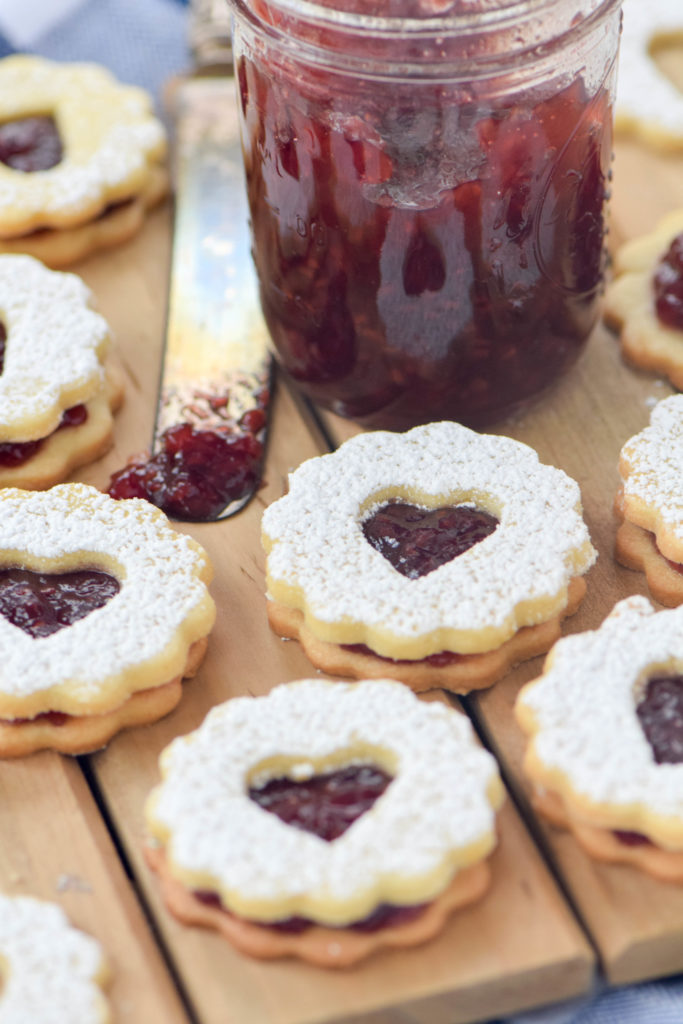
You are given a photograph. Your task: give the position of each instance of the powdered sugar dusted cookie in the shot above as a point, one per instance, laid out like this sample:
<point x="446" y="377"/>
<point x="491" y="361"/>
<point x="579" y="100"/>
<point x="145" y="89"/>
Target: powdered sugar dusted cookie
<point x="648" y="104"/>
<point x="49" y="971"/>
<point x="605" y="746"/>
<point x="61" y="247"/>
<point x="286" y="820"/>
<point x="645" y="300"/>
<point x="104" y="608"/>
<point x="650" y="502"/>
<point x="439" y="544"/>
<point x="75" y="146"/>
<point x="56" y="395"/>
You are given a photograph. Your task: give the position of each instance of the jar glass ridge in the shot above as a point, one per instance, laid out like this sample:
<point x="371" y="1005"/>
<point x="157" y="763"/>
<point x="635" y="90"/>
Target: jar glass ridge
<point x="427" y="190"/>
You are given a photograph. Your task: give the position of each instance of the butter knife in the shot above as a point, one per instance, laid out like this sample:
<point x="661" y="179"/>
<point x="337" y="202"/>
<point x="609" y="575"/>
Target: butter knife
<point x="217" y="373"/>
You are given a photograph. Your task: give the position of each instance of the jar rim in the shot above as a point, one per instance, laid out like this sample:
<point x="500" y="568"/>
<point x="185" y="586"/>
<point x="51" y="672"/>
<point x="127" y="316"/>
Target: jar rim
<point x="501" y="15"/>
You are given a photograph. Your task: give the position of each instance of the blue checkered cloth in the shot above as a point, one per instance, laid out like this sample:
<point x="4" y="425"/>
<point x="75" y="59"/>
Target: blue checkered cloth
<point x="144" y="42"/>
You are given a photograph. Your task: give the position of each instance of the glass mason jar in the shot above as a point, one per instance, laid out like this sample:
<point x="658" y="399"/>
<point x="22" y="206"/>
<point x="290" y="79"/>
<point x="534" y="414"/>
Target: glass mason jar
<point x="427" y="183"/>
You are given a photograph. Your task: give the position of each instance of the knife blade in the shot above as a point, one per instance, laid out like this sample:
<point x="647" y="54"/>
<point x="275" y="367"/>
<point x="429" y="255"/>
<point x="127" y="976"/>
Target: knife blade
<point x="216" y="370"/>
<point x="216" y="367"/>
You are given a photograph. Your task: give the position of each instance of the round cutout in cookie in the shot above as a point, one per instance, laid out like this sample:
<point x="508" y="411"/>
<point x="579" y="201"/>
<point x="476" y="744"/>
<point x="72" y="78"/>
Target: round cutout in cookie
<point x="218" y="841"/>
<point x="649" y="105"/>
<point x="49" y="970"/>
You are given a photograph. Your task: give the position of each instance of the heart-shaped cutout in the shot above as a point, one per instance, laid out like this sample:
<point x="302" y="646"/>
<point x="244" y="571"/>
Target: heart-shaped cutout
<point x="43" y="603"/>
<point x="417" y="540"/>
<point x="325" y="804"/>
<point x="30" y="143"/>
<point x="660" y="713"/>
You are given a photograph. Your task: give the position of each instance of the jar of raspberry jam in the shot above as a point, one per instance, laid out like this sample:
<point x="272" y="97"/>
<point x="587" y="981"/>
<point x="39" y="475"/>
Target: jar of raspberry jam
<point x="427" y="183"/>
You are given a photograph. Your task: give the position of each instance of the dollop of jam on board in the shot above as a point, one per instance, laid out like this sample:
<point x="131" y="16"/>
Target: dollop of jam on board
<point x="660" y="713"/>
<point x="43" y="603"/>
<point x="197" y="470"/>
<point x="326" y="805"/>
<point x="30" y="143"/>
<point x="416" y="540"/>
<point x="405" y="280"/>
<point x="668" y="286"/>
<point x="16" y="453"/>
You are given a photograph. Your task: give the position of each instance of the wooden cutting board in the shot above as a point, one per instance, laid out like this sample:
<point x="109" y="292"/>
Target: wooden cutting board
<point x="72" y="830"/>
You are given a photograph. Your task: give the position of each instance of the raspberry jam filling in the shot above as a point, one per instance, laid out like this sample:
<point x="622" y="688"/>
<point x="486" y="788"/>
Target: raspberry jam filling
<point x="30" y="143"/>
<point x="439" y="660"/>
<point x="416" y="541"/>
<point x="43" y="603"/>
<point x="326" y="805"/>
<point x="198" y="472"/>
<point x="660" y="714"/>
<point x="16" y="453"/>
<point x="631" y="838"/>
<point x="668" y="286"/>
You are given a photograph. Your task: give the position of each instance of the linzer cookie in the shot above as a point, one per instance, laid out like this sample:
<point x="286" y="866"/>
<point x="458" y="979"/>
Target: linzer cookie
<point x="104" y="609"/>
<point x="645" y="300"/>
<point x="649" y="106"/>
<point x="57" y="393"/>
<point x="81" y="159"/>
<point x="441" y="557"/>
<point x="324" y="821"/>
<point x="605" y="750"/>
<point x="49" y="971"/>
<point x="650" y="502"/>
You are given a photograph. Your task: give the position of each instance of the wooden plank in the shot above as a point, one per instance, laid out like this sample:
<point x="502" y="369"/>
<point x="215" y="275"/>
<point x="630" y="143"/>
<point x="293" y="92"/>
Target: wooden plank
<point x="55" y="846"/>
<point x="478" y="967"/>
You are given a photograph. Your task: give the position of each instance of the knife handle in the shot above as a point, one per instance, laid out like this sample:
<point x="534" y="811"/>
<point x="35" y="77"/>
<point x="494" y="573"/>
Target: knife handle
<point x="209" y="36"/>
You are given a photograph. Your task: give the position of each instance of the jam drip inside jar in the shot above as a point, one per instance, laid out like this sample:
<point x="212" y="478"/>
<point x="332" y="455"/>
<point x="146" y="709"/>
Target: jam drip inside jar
<point x="30" y="143"/>
<point x="326" y="805"/>
<point x="417" y="540"/>
<point x="668" y="286"/>
<point x="660" y="714"/>
<point x="43" y="603"/>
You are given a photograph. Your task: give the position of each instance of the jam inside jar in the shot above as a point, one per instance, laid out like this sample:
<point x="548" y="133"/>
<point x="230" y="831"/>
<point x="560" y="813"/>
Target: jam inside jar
<point x="427" y="185"/>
